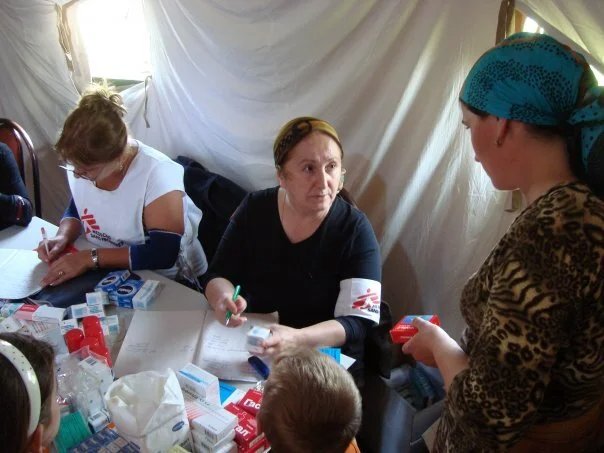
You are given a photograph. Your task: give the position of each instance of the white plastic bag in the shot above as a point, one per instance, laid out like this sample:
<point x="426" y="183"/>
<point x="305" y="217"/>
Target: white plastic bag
<point x="148" y="409"/>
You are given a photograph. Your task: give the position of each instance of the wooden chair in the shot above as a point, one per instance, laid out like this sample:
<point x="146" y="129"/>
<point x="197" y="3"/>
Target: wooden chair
<point x="19" y="142"/>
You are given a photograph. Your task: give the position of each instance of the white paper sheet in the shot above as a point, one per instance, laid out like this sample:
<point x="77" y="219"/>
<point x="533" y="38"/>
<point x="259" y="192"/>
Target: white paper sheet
<point x="160" y="339"/>
<point x="20" y="273"/>
<point x="157" y="340"/>
<point x="224" y="350"/>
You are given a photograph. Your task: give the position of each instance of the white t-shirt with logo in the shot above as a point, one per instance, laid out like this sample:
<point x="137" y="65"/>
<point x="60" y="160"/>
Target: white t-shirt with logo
<point x="115" y="218"/>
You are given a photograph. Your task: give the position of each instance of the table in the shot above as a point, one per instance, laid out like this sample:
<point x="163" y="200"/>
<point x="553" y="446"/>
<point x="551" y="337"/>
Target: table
<point x="173" y="297"/>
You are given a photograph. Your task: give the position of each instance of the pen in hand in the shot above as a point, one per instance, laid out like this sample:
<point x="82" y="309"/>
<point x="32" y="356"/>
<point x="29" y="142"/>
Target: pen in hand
<point x="235" y="296"/>
<point x="45" y="240"/>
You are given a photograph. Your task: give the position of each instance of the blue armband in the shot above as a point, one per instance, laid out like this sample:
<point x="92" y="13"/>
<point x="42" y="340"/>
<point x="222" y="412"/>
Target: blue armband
<point x="160" y="251"/>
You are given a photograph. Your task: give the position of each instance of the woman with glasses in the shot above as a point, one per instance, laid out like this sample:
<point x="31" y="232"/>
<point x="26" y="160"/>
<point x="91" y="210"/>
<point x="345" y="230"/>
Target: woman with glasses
<point x="301" y="250"/>
<point x="529" y="373"/>
<point x="128" y="200"/>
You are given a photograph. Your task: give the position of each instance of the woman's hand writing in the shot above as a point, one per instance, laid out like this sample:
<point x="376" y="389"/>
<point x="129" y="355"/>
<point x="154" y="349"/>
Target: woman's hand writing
<point x="67" y="267"/>
<point x="225" y="303"/>
<point x="56" y="246"/>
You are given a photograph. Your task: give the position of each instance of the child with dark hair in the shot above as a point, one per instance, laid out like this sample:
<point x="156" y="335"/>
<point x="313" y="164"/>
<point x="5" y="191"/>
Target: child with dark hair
<point x="30" y="411"/>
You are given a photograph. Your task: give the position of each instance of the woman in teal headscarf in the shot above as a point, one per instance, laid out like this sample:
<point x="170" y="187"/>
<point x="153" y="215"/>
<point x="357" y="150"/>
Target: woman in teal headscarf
<point x="529" y="374"/>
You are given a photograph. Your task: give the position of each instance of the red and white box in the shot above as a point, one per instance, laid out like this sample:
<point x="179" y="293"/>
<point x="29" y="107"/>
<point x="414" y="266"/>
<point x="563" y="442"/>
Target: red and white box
<point x="246" y="432"/>
<point x="251" y="401"/>
<point x="26" y="312"/>
<point x="403" y="331"/>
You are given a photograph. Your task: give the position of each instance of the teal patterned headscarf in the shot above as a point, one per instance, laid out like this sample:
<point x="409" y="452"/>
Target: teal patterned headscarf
<point x="537" y="80"/>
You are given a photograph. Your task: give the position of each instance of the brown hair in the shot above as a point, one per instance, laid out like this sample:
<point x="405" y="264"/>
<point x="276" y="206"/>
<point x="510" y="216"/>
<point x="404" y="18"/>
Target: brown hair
<point x="14" y="416"/>
<point x="310" y="403"/>
<point x="94" y="132"/>
<point x="295" y="130"/>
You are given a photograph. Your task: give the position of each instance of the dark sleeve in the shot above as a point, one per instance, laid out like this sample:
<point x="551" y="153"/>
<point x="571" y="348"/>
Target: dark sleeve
<point x="364" y="257"/>
<point x="225" y="263"/>
<point x="355" y="327"/>
<point x="71" y="211"/>
<point x="12" y="191"/>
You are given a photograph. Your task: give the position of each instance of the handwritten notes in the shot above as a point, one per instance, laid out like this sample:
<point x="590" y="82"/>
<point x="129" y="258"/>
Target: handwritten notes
<point x="160" y="339"/>
<point x="157" y="340"/>
<point x="224" y="350"/>
<point x="21" y="272"/>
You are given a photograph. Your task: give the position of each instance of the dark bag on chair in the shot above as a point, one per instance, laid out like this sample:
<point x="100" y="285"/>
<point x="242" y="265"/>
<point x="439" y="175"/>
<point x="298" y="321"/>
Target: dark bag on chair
<point x="216" y="196"/>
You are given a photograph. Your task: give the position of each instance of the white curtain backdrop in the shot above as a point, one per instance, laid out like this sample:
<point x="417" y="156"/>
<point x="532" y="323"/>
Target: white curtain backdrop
<point x="228" y="74"/>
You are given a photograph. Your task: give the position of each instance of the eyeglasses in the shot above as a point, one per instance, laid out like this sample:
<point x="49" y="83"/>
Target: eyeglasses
<point x="82" y="174"/>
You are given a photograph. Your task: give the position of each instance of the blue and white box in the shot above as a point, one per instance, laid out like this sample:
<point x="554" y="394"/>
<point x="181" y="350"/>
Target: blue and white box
<point x="111" y="282"/>
<point x="82" y="310"/>
<point x="126" y="292"/>
<point x="199" y="384"/>
<point x="146" y="294"/>
<point x="97" y="297"/>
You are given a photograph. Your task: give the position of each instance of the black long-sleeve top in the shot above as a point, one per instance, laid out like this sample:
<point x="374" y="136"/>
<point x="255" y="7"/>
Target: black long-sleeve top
<point x="15" y="206"/>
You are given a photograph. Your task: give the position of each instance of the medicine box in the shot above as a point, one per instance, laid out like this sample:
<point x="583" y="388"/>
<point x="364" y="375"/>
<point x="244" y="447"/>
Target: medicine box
<point x="44" y="313"/>
<point x="246" y="431"/>
<point x="97" y="297"/>
<point x="9" y="308"/>
<point x="403" y="330"/>
<point x="111" y="283"/>
<point x="255" y="336"/>
<point x="26" y="312"/>
<point x="202" y="443"/>
<point x="146" y="294"/>
<point x="10" y="324"/>
<point x="99" y="371"/>
<point x="215" y="425"/>
<point x="68" y="324"/>
<point x="199" y="384"/>
<point x="126" y="292"/>
<point x="110" y="325"/>
<point x="251" y="401"/>
<point x="82" y="310"/>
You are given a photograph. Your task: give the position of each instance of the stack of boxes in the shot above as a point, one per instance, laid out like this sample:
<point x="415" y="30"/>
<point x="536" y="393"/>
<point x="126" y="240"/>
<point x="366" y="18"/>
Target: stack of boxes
<point x="40" y="321"/>
<point x="247" y="436"/>
<point x="126" y="292"/>
<point x="214" y="429"/>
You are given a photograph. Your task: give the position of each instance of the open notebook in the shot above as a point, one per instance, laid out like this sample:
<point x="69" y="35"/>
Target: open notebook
<point x="170" y="339"/>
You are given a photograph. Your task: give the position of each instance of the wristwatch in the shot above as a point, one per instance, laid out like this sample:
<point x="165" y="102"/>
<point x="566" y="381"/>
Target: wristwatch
<point x="95" y="259"/>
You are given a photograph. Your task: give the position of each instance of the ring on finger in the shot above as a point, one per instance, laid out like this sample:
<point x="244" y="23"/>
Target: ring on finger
<point x="61" y="273"/>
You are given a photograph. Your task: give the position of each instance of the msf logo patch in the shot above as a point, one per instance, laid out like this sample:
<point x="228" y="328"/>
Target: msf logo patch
<point x="368" y="301"/>
<point x="89" y="222"/>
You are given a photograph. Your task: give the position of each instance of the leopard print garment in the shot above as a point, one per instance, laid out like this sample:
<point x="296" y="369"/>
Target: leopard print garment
<point x="535" y="326"/>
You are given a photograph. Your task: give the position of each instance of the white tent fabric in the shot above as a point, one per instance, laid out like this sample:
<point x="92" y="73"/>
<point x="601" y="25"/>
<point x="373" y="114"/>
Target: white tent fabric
<point x="578" y="24"/>
<point x="227" y="75"/>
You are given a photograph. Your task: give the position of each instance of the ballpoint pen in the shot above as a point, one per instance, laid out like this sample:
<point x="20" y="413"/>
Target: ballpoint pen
<point x="235" y="296"/>
<point x="45" y="240"/>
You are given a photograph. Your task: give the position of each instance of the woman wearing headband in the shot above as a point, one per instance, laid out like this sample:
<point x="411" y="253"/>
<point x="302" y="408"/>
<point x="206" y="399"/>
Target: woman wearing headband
<point x="301" y="250"/>
<point x="30" y="412"/>
<point x="529" y="375"/>
<point x="128" y="199"/>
